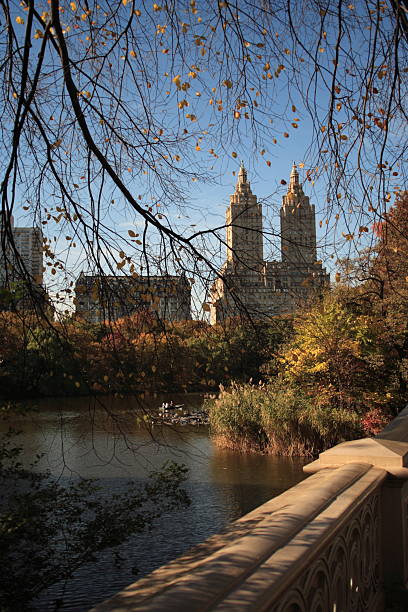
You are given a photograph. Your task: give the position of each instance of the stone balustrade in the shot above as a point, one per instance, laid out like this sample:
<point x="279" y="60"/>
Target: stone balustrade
<point x="335" y="542"/>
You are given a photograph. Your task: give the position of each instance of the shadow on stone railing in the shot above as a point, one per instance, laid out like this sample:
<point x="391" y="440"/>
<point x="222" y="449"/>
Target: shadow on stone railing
<point x="336" y="542"/>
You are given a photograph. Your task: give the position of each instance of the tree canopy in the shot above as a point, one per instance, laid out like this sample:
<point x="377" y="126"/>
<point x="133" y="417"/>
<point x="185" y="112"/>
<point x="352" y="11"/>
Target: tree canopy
<point x="110" y="110"/>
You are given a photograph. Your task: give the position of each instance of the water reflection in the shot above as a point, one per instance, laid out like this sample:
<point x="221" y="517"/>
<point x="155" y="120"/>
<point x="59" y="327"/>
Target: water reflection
<point x="83" y="437"/>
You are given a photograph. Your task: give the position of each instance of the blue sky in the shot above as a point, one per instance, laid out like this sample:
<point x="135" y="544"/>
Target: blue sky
<point x="177" y="94"/>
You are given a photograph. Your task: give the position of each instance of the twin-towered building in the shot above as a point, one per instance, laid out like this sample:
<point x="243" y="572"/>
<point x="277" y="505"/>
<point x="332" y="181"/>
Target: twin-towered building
<point x="247" y="284"/>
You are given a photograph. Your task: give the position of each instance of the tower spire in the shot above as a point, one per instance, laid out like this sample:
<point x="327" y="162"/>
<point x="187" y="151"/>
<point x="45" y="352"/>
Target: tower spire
<point x="242" y="174"/>
<point x="294" y="178"/>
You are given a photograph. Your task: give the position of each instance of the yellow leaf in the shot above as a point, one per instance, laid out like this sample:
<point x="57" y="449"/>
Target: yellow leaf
<point x="73" y="6"/>
<point x="154" y="368"/>
<point x="227" y="83"/>
<point x="137" y="12"/>
<point x="105" y="378"/>
<point x="132" y="53"/>
<point x="234" y="155"/>
<point x="176" y="81"/>
<point x="19" y="20"/>
<point x="77" y="384"/>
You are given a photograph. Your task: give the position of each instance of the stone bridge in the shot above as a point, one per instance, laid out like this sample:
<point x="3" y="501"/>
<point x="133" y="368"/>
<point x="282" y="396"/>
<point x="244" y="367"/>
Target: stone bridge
<point x="336" y="542"/>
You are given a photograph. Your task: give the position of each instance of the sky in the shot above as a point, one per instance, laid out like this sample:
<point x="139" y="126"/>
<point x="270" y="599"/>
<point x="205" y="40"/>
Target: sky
<point x="173" y="88"/>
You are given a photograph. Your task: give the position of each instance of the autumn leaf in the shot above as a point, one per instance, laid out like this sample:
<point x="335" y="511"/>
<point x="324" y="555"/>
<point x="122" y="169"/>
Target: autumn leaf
<point x="176" y="81"/>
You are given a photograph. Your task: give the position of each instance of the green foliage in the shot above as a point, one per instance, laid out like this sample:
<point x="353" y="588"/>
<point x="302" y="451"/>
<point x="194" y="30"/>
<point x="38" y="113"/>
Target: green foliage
<point x="129" y="355"/>
<point x="276" y="419"/>
<point x="236" y="416"/>
<point x="337" y="356"/>
<point x="48" y="531"/>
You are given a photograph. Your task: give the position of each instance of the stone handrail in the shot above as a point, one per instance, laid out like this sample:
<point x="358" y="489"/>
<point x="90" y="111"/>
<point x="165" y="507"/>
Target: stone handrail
<point x="336" y="541"/>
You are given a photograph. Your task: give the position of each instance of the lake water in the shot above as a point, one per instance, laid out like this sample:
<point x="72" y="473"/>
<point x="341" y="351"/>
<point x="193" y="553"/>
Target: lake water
<point x="102" y="438"/>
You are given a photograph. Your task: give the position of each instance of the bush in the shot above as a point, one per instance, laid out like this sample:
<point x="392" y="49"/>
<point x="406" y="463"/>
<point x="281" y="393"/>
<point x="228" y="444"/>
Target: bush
<point x="277" y="419"/>
<point x="235" y="417"/>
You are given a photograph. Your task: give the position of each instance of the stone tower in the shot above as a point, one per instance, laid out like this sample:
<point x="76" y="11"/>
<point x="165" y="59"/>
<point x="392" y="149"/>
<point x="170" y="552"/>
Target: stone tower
<point x="244" y="226"/>
<point x="251" y="287"/>
<point x="298" y="225"/>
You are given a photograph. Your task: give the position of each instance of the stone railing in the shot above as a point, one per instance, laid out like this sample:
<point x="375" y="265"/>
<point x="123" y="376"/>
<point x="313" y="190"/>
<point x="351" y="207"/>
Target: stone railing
<point x="336" y="542"/>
